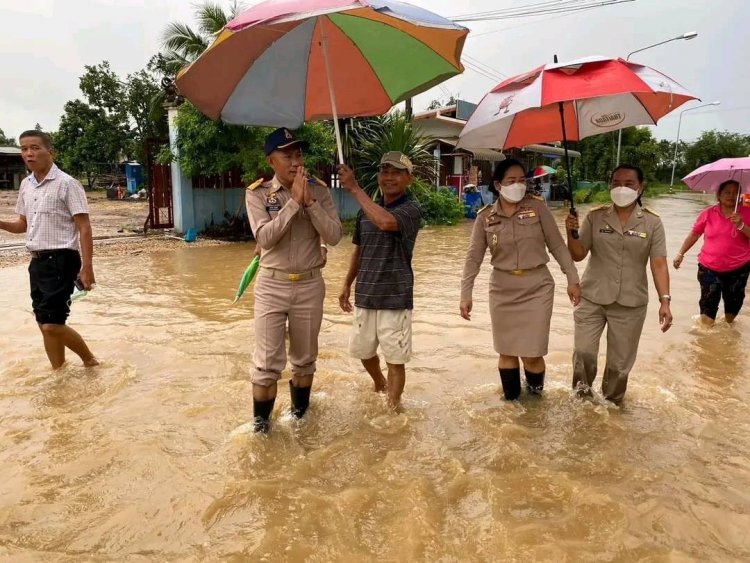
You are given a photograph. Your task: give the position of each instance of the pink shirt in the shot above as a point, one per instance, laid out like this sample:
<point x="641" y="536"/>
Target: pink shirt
<point x="724" y="247"/>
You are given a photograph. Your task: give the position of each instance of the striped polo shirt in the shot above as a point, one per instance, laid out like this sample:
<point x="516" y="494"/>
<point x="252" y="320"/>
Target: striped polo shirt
<point x="385" y="279"/>
<point x="49" y="207"/>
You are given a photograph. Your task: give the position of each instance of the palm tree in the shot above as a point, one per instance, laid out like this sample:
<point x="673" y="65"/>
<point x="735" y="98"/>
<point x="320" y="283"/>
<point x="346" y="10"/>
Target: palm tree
<point x="367" y="139"/>
<point x="182" y="44"/>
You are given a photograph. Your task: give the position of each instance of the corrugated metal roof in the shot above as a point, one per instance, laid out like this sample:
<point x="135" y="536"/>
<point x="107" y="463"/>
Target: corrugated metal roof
<point x="10" y="150"/>
<point x="479" y="154"/>
<point x="547" y="149"/>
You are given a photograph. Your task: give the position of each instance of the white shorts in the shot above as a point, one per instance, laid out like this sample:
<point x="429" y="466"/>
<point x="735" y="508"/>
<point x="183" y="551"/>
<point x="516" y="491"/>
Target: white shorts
<point x="389" y="328"/>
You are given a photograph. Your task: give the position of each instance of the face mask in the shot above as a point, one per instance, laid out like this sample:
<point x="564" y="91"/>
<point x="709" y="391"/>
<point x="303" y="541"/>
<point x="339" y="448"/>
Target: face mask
<point x="622" y="196"/>
<point x="513" y="193"/>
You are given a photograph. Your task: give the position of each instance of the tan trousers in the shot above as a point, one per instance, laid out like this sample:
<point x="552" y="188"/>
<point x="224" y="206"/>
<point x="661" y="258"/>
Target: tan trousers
<point x="624" y="327"/>
<point x="276" y="303"/>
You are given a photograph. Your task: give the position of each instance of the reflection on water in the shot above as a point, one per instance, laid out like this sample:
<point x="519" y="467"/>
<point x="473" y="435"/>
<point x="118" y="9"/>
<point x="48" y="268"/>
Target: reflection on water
<point x="150" y="456"/>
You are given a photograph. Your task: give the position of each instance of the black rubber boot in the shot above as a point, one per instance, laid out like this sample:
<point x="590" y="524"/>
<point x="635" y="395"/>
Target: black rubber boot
<point x="262" y="412"/>
<point x="511" y="379"/>
<point x="534" y="382"/>
<point x="300" y="399"/>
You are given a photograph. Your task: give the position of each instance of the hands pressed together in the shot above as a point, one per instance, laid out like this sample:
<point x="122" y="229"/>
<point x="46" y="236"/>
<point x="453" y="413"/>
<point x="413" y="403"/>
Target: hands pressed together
<point x="301" y="192"/>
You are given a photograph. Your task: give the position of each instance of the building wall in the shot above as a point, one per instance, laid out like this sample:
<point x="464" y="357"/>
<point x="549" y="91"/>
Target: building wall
<point x="209" y="205"/>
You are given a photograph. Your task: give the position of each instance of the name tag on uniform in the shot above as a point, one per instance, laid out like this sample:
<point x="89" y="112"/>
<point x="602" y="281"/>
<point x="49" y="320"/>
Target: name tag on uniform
<point x="636" y="234"/>
<point x="607" y="230"/>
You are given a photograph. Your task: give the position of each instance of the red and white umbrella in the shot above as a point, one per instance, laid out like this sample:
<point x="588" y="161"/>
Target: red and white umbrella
<point x="597" y="94"/>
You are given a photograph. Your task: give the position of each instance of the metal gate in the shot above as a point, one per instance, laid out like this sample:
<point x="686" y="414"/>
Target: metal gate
<point x="160" y="214"/>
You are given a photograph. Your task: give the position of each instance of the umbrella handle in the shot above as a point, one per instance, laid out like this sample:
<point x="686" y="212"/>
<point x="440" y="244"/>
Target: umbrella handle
<point x="324" y="36"/>
<point x="569" y="172"/>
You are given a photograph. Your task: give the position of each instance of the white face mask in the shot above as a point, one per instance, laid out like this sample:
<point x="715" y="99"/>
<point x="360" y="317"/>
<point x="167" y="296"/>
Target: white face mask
<point x="513" y="193"/>
<point x="622" y="196"/>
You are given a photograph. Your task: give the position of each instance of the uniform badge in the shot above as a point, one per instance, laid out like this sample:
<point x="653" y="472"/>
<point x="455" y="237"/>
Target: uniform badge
<point x="272" y="203"/>
<point x="607" y="230"/>
<point x="636" y="234"/>
<point x="494" y="239"/>
<point x="526" y="214"/>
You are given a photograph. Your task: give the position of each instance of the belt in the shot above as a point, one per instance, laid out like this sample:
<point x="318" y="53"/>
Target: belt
<point x="521" y="272"/>
<point x="289" y="276"/>
<point x="37" y="254"/>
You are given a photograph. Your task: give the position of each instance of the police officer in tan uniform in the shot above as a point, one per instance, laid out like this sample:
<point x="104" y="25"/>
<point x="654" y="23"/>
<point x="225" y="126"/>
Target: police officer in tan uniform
<point x="622" y="239"/>
<point x="290" y="216"/>
<point x="519" y="230"/>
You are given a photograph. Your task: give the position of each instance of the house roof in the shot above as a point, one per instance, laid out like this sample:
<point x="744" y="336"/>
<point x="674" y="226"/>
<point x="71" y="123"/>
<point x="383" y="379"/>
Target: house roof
<point x="547" y="149"/>
<point x="10" y="150"/>
<point x="479" y="154"/>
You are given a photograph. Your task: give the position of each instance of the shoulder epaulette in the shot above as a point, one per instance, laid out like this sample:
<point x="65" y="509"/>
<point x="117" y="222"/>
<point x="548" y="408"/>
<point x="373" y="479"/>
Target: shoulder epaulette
<point x="255" y="184"/>
<point x="599" y="208"/>
<point x="647" y="210"/>
<point x="536" y="197"/>
<point x="485" y="208"/>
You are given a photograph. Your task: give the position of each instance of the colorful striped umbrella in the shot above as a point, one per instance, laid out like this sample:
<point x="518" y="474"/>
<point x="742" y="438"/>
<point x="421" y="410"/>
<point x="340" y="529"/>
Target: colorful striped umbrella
<point x="283" y="62"/>
<point x="543" y="170"/>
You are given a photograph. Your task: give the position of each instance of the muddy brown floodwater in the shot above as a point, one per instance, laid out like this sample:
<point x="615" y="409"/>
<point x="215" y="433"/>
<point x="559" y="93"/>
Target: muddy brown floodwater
<point x="149" y="457"/>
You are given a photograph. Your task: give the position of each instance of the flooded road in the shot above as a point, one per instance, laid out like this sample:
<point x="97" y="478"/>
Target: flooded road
<point x="150" y="457"/>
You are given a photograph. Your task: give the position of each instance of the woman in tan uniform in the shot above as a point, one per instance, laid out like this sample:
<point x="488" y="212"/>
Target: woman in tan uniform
<point x="518" y="229"/>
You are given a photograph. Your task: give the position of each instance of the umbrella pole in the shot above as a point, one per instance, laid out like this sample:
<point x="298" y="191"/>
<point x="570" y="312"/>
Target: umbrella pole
<point x="330" y="90"/>
<point x="567" y="167"/>
<point x="737" y="203"/>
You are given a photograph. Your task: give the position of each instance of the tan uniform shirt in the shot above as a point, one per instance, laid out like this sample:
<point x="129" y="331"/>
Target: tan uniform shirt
<point x="288" y="234"/>
<point x="518" y="242"/>
<point x="616" y="271"/>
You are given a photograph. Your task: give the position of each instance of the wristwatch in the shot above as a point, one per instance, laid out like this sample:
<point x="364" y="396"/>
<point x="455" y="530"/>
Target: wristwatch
<point x="666" y="297"/>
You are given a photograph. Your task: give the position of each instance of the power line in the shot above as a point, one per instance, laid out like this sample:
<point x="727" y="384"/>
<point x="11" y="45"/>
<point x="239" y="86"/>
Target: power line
<point x="487" y="68"/>
<point x="539" y="5"/>
<point x="481" y="72"/>
<point x="519" y="26"/>
<point x="535" y="12"/>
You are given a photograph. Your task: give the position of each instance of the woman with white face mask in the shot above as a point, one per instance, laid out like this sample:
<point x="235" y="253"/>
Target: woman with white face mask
<point x="519" y="231"/>
<point x="622" y="238"/>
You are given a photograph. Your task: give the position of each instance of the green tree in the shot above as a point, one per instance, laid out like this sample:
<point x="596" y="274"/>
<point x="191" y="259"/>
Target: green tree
<point x="209" y="147"/>
<point x="713" y="145"/>
<point x="6" y="141"/>
<point x="87" y="138"/>
<point x="639" y="147"/>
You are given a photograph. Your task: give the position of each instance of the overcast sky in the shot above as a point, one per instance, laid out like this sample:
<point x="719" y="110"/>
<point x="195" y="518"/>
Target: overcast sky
<point x="44" y="45"/>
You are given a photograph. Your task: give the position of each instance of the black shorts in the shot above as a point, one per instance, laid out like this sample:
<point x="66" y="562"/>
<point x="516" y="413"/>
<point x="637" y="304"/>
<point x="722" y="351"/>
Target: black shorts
<point x="716" y="286"/>
<point x="52" y="275"/>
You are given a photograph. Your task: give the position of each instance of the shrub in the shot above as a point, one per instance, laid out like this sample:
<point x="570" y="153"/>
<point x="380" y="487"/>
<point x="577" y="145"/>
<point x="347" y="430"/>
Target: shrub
<point x="438" y="207"/>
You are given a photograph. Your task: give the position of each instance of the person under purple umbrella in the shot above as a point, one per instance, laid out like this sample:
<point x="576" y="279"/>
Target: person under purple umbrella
<point x="724" y="259"/>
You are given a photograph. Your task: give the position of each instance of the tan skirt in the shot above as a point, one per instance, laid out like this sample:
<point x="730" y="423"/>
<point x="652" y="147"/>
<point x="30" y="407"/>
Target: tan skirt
<point x="521" y="311"/>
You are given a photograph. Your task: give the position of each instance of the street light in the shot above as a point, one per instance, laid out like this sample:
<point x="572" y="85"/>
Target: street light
<point x="677" y="141"/>
<point x="687" y="37"/>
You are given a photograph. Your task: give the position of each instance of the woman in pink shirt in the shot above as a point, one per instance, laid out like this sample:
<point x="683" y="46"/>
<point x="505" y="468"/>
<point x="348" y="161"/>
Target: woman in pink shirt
<point x="724" y="260"/>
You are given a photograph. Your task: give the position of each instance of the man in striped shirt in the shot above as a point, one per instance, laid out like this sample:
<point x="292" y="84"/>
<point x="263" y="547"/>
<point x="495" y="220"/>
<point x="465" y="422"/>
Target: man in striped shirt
<point x="53" y="212"/>
<point x="384" y="238"/>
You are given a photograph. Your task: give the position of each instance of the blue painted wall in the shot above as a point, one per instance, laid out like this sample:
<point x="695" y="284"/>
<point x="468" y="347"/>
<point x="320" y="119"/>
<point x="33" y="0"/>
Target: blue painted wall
<point x="209" y="205"/>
